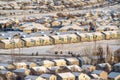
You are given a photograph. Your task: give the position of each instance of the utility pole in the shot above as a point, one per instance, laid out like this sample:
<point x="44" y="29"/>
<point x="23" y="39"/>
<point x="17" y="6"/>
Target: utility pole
<point x="12" y="51"/>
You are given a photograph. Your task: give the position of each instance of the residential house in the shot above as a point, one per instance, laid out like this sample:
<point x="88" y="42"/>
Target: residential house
<point x="48" y="76"/>
<point x="21" y="73"/>
<point x="58" y="69"/>
<point x="20" y="65"/>
<point x="74" y="68"/>
<point x="59" y="62"/>
<point x="82" y="37"/>
<point x="107" y="35"/>
<point x="114" y="76"/>
<point x="65" y="76"/>
<point x="72" y="38"/>
<point x="7" y="75"/>
<point x="7" y="66"/>
<point x="94" y="77"/>
<point x="37" y="41"/>
<point x="72" y="61"/>
<point x="116" y="67"/>
<point x="81" y="76"/>
<point x="114" y="34"/>
<point x="32" y="27"/>
<point x="7" y="44"/>
<point x="72" y="27"/>
<point x="39" y="70"/>
<point x="29" y="42"/>
<point x="30" y="64"/>
<point x="104" y="66"/>
<point x="102" y="74"/>
<point x="98" y="36"/>
<point x="88" y="68"/>
<point x="59" y="39"/>
<point x="89" y="36"/>
<point x="47" y="63"/>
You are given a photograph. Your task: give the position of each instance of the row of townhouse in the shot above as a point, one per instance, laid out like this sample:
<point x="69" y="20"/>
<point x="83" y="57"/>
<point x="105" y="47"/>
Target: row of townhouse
<point x="103" y="71"/>
<point x="57" y="39"/>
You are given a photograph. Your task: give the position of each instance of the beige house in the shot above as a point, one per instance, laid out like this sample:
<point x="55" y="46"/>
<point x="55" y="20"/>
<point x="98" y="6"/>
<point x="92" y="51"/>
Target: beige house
<point x="7" y="44"/>
<point x="107" y="28"/>
<point x="59" y="62"/>
<point x="47" y="63"/>
<point x="89" y="36"/>
<point x="110" y="34"/>
<point x="107" y="35"/>
<point x="7" y="66"/>
<point x="7" y="75"/>
<point x="43" y="40"/>
<point x="39" y="70"/>
<point x="102" y="74"/>
<point x="74" y="68"/>
<point x="59" y="39"/>
<point x="114" y="76"/>
<point x="65" y="38"/>
<point x="116" y="67"/>
<point x="114" y="34"/>
<point x="81" y="76"/>
<point x="58" y="69"/>
<point x="88" y="68"/>
<point x="98" y="36"/>
<point x="29" y="42"/>
<point x="72" y="61"/>
<point x="32" y="27"/>
<point x="65" y="76"/>
<point x="20" y="65"/>
<point x="72" y="38"/>
<point x="37" y="41"/>
<point x="72" y="27"/>
<point x="82" y="37"/>
<point x="48" y="76"/>
<point x="21" y="73"/>
<point x="30" y="64"/>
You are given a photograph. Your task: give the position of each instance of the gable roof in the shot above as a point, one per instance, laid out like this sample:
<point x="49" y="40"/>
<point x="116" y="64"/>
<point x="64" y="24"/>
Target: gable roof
<point x="46" y="75"/>
<point x="97" y="71"/>
<point x="66" y="75"/>
<point x="113" y="74"/>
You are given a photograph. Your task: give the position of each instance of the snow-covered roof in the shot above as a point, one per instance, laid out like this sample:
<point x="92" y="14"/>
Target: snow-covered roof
<point x="113" y="74"/>
<point x="3" y="71"/>
<point x="47" y="62"/>
<point x="46" y="75"/>
<point x="10" y="41"/>
<point x="38" y="68"/>
<point x="74" y="66"/>
<point x="117" y="64"/>
<point x="66" y="75"/>
<point x="72" y="59"/>
<point x="21" y="70"/>
<point x="86" y="66"/>
<point x="59" y="60"/>
<point x="97" y="71"/>
<point x="33" y="25"/>
<point x="73" y="26"/>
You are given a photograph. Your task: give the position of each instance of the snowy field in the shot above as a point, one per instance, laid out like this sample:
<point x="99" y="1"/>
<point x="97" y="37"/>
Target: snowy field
<point x="74" y="47"/>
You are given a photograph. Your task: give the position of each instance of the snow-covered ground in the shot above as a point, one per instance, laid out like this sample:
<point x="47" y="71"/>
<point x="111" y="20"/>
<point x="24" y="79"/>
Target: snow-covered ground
<point x="74" y="47"/>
